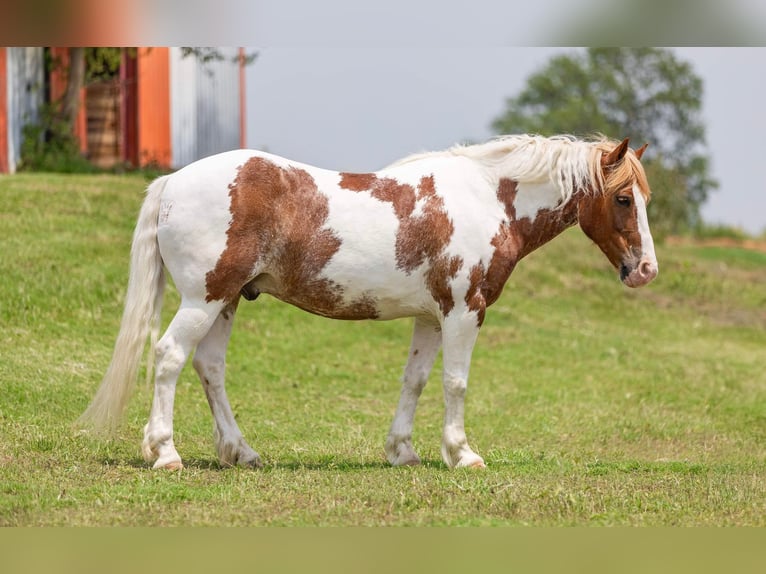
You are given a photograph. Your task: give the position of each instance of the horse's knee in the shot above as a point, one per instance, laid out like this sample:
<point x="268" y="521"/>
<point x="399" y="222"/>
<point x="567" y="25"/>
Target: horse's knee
<point x="455" y="386"/>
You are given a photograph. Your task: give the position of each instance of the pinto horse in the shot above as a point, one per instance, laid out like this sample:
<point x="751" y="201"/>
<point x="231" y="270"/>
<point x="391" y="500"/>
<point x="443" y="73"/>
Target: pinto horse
<point x="434" y="236"/>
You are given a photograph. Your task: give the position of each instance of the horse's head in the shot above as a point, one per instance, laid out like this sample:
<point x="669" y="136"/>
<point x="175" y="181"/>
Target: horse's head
<point x="615" y="219"/>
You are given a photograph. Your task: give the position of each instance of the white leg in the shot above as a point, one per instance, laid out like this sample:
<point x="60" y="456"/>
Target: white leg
<point x="458" y="337"/>
<point x="190" y="324"/>
<point x="426" y="340"/>
<point x="210" y="364"/>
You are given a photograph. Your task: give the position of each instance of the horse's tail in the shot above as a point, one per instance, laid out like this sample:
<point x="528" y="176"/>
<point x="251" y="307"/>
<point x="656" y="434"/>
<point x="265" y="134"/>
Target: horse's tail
<point x="140" y="318"/>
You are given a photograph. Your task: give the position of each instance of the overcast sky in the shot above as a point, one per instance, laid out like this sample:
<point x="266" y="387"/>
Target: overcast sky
<point x="363" y="107"/>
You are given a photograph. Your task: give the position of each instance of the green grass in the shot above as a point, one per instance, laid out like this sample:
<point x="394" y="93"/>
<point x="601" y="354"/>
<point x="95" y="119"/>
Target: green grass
<point x="592" y="404"/>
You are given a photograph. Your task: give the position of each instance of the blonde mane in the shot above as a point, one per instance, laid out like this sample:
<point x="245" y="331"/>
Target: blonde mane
<point x="571" y="164"/>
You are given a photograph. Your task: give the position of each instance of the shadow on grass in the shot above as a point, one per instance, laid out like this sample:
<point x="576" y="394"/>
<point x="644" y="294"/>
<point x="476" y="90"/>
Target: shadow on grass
<point x="327" y="465"/>
<point x="345" y="465"/>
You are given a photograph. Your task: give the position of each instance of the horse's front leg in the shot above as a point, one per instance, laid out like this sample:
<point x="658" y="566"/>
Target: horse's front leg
<point x="459" y="332"/>
<point x="426" y="340"/>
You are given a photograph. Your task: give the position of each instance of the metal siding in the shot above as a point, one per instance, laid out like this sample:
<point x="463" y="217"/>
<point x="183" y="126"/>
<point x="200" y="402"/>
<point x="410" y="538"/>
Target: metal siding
<point x="218" y="106"/>
<point x="205" y="100"/>
<point x="183" y="113"/>
<point x="24" y="96"/>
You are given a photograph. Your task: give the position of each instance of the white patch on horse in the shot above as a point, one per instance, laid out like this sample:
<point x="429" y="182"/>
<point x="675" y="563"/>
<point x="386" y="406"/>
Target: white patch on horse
<point x="647" y="243"/>
<point x="533" y="197"/>
<point x="366" y="228"/>
<point x="419" y="208"/>
<point x="469" y="207"/>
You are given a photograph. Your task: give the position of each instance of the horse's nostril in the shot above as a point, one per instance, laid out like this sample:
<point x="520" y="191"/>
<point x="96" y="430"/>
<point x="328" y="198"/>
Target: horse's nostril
<point x="647" y="269"/>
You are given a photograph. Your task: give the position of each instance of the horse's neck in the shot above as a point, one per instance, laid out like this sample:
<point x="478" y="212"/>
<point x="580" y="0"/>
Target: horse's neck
<point x="533" y="216"/>
<point x="548" y="224"/>
<point x="520" y="235"/>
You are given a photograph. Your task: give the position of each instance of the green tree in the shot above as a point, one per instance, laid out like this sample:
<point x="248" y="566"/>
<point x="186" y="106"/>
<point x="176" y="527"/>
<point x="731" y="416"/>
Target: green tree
<point x="646" y="94"/>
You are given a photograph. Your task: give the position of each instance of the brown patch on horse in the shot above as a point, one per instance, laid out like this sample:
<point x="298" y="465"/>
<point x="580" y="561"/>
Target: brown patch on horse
<point x="438" y="278"/>
<point x="514" y="239"/>
<point x="602" y="217"/>
<point x="474" y="297"/>
<point x="425" y="236"/>
<point x="420" y="238"/>
<point x="357" y="181"/>
<point x="277" y="221"/>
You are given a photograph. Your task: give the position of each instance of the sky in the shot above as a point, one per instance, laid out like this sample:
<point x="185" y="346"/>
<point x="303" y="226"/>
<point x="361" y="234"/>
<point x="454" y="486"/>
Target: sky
<point x="360" y="109"/>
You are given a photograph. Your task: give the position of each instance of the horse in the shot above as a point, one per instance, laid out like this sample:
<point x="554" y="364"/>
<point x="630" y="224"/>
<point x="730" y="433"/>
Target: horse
<point x="433" y="236"/>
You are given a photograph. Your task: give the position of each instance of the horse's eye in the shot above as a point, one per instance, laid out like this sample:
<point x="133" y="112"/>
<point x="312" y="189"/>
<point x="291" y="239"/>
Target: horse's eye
<point x="624" y="200"/>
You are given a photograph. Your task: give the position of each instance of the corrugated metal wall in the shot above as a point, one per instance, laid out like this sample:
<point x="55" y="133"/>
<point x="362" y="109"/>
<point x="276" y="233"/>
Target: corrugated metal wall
<point x="24" y="93"/>
<point x="204" y="106"/>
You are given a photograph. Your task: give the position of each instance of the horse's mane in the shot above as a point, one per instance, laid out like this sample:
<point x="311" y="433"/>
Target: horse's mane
<point x="570" y="163"/>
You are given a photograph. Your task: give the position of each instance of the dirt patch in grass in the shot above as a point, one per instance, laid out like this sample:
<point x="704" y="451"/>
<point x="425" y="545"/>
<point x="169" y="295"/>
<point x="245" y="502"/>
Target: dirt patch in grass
<point x="725" y="242"/>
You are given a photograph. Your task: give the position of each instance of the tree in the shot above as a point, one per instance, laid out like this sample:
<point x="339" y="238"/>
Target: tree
<point x="646" y="94"/>
<point x="70" y="104"/>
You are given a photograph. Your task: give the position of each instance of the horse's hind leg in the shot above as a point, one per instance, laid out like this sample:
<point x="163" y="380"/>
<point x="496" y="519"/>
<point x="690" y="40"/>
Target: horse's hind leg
<point x="210" y="364"/>
<point x="190" y="324"/>
<point x="426" y="340"/>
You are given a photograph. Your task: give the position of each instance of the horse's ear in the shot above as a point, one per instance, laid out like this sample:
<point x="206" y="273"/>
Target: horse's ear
<point x="615" y="155"/>
<point x="640" y="151"/>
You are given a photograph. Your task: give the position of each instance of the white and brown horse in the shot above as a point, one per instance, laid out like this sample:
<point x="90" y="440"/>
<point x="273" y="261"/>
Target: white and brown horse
<point x="434" y="236"/>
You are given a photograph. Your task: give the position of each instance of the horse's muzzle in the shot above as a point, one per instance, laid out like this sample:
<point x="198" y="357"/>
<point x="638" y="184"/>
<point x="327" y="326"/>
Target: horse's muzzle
<point x="640" y="275"/>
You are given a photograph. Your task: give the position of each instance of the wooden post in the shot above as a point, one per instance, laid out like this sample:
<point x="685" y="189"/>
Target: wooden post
<point x="129" y="108"/>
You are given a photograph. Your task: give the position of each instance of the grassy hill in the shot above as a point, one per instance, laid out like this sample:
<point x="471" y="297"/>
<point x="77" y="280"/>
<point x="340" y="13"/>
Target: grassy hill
<point x="590" y="402"/>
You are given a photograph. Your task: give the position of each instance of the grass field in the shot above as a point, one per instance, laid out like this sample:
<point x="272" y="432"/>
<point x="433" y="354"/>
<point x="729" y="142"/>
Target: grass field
<point x="592" y="404"/>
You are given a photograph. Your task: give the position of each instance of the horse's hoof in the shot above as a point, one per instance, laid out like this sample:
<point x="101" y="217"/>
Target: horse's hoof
<point x="175" y="465"/>
<point x="254" y="462"/>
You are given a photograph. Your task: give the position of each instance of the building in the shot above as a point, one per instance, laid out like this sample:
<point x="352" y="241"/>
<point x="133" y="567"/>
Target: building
<point x="21" y="95"/>
<point x="162" y="110"/>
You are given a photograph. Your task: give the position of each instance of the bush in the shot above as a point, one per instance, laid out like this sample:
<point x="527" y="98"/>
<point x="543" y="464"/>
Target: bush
<point x="49" y="145"/>
<point x="719" y="231"/>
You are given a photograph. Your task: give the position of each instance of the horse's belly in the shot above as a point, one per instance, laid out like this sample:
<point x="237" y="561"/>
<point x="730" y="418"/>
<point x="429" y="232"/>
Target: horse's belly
<point x="361" y="292"/>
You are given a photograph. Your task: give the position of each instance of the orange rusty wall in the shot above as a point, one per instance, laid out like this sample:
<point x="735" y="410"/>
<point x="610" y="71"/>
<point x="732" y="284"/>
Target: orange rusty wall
<point x="4" y="167"/>
<point x="154" y="107"/>
<point x="58" y="82"/>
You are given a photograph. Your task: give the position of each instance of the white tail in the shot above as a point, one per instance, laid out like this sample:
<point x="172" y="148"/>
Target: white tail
<point x="141" y="317"/>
